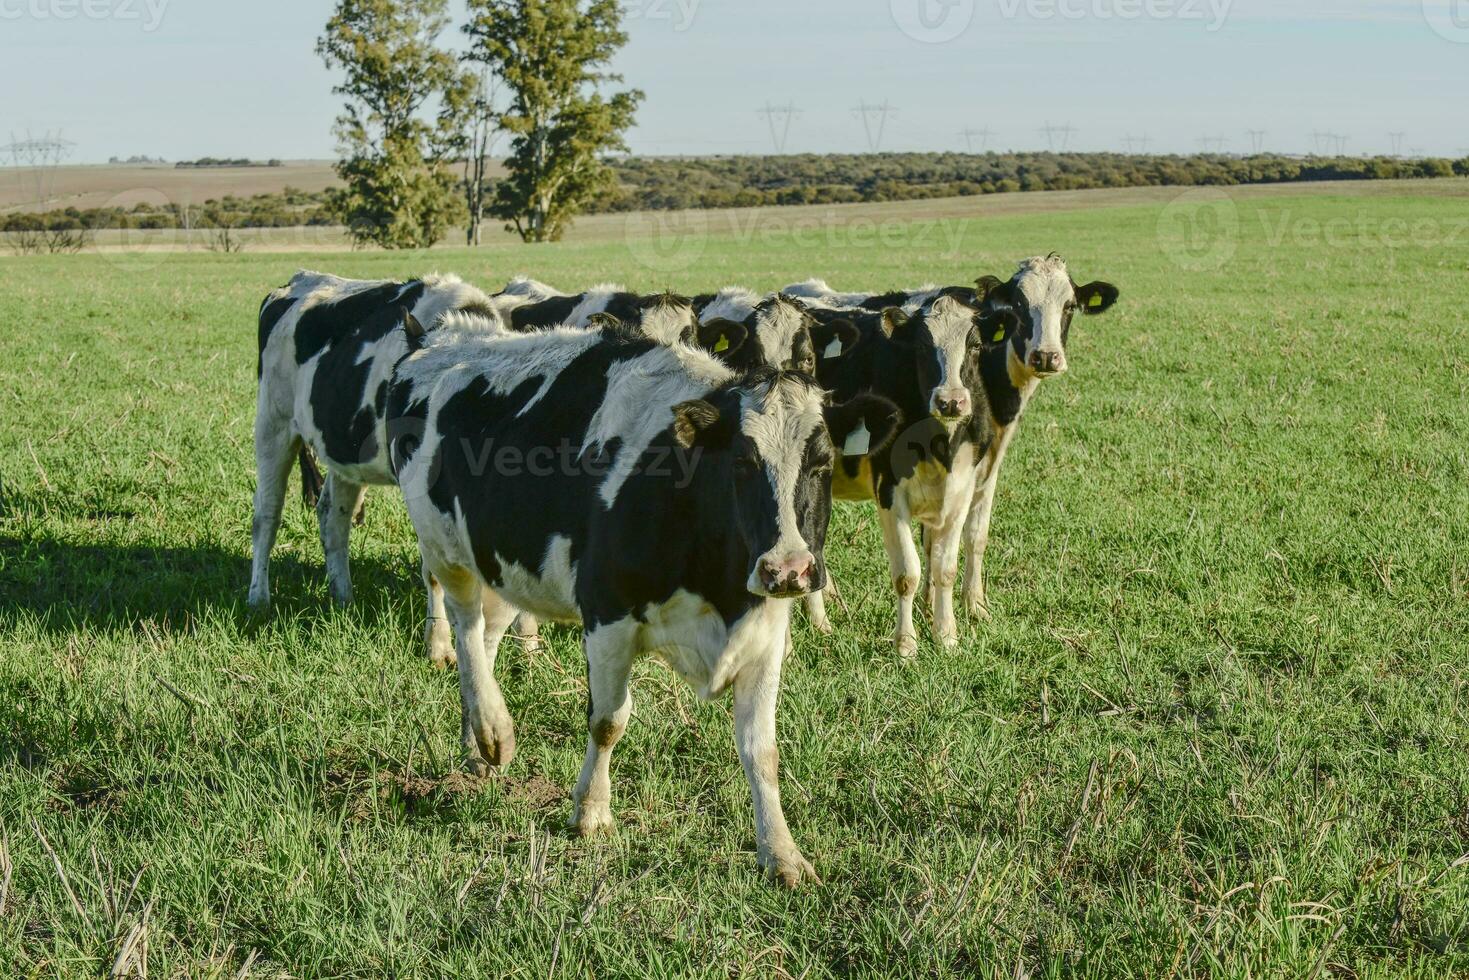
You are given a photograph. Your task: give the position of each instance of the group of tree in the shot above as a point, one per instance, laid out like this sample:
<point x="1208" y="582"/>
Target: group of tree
<point x="413" y="109"/>
<point x="204" y="163"/>
<point x="666" y="183"/>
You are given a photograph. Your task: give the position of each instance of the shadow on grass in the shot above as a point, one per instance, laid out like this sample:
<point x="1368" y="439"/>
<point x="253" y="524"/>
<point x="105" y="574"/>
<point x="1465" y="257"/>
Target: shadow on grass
<point x="110" y="587"/>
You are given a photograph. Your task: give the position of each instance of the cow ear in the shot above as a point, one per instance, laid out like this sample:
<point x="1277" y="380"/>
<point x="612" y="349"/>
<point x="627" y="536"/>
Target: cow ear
<point x="722" y="337"/>
<point x="412" y="328"/>
<point x="863" y="425"/>
<point x="604" y="321"/>
<point x="1096" y="297"/>
<point x="895" y="323"/>
<point x="694" y="422"/>
<point x="996" y="328"/>
<point x="835" y="339"/>
<point x="985" y="285"/>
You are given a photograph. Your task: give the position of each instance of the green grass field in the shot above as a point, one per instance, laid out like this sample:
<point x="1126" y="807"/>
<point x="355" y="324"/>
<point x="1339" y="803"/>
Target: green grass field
<point x="1218" y="727"/>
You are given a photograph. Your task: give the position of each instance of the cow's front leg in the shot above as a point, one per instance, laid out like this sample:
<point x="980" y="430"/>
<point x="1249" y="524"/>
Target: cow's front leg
<point x="480" y="619"/>
<point x="944" y="574"/>
<point x="609" y="652"/>
<point x="334" y="512"/>
<point x="976" y="540"/>
<point x="897" y="538"/>
<point x="815" y="604"/>
<point x="756" y="690"/>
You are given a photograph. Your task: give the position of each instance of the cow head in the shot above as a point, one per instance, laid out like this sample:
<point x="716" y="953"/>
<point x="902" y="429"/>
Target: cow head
<point x="1045" y="298"/>
<point x="668" y="319"/>
<point x="948" y="337"/>
<point x="769" y="442"/>
<point x="779" y="338"/>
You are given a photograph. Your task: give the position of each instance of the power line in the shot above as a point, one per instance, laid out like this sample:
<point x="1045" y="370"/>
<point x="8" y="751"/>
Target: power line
<point x="779" y="119"/>
<point x="866" y="111"/>
<point x="1051" y="132"/>
<point x="983" y="135"/>
<point x="1397" y="143"/>
<point x="1257" y="140"/>
<point x="1135" y="142"/>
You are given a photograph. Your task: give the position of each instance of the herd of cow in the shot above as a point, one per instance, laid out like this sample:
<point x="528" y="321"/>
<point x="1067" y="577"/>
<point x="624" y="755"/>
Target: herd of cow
<point x="658" y="469"/>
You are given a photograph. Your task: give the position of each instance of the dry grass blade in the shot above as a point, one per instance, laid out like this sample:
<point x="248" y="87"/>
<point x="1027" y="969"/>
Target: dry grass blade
<point x="469" y="882"/>
<point x="7" y="872"/>
<point x="1086" y="796"/>
<point x="60" y="871"/>
<point x="128" y="954"/>
<point x="188" y="699"/>
<point x="248" y="964"/>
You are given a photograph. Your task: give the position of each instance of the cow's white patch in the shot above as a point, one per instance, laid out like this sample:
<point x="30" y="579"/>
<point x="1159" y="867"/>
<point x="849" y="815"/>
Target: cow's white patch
<point x="780" y="418"/>
<point x="949" y="323"/>
<point x="1046" y="285"/>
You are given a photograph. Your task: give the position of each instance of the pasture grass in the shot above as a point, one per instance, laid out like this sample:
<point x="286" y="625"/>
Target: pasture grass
<point x="1216" y="728"/>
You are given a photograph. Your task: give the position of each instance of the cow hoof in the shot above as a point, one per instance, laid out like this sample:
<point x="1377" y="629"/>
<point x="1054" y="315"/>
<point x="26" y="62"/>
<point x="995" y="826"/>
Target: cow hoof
<point x="531" y="643"/>
<point x="440" y="644"/>
<point x="495" y="750"/>
<point x="978" y="609"/>
<point x="789" y="869"/>
<point x="948" y="637"/>
<point x="258" y="604"/>
<point x="907" y="646"/>
<point x="822" y="626"/>
<point x="595" y="821"/>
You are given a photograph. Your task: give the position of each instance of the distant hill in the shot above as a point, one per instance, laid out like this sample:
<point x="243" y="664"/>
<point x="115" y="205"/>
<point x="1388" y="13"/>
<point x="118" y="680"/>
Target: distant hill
<point x="124" y="186"/>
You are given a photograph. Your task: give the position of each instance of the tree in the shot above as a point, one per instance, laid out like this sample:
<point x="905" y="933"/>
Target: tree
<point x="400" y="192"/>
<point x="484" y="131"/>
<point x="549" y="54"/>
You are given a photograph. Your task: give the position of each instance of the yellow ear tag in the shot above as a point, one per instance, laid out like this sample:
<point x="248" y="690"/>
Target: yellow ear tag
<point x="833" y="349"/>
<point x="1095" y="301"/>
<point x="999" y="335"/>
<point x="722" y="346"/>
<point x="858" y="442"/>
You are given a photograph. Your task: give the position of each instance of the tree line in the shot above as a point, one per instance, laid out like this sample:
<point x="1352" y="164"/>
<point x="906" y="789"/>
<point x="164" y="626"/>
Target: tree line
<point x="663" y="183"/>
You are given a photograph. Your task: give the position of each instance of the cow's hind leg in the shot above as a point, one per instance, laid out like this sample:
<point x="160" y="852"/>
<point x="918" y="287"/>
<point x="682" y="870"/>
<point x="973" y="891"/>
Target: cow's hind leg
<point x="528" y="632"/>
<point x="480" y="619"/>
<point x="334" y="511"/>
<point x="275" y="450"/>
<point x="438" y="641"/>
<point x="609" y="652"/>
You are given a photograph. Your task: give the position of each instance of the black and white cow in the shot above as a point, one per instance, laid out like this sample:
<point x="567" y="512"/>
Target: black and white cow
<point x="929" y="364"/>
<point x="663" y="317"/>
<point x="1044" y="297"/>
<point x="668" y="504"/>
<point x="327" y="349"/>
<point x="781" y="333"/>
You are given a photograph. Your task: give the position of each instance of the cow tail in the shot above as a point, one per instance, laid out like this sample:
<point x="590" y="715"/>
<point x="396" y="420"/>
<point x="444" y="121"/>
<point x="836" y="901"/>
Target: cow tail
<point x="312" y="482"/>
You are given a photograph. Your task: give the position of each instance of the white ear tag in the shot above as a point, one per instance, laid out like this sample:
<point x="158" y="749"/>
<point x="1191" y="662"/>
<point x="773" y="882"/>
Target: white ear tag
<point x="858" y="442"/>
<point x="833" y="349"/>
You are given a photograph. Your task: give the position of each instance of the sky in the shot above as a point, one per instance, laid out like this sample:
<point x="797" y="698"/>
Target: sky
<point x="182" y="79"/>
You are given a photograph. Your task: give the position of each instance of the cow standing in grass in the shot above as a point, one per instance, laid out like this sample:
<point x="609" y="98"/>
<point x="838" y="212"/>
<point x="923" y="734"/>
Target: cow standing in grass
<point x="928" y="363"/>
<point x="1044" y="297"/>
<point x="327" y="349"/>
<point x="676" y="510"/>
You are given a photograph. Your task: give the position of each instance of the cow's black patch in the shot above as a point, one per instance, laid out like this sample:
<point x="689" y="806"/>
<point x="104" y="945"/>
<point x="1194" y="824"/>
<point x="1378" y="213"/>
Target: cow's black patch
<point x="683" y="520"/>
<point x="341" y="407"/>
<point x="547" y="313"/>
<point x="270" y="315"/>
